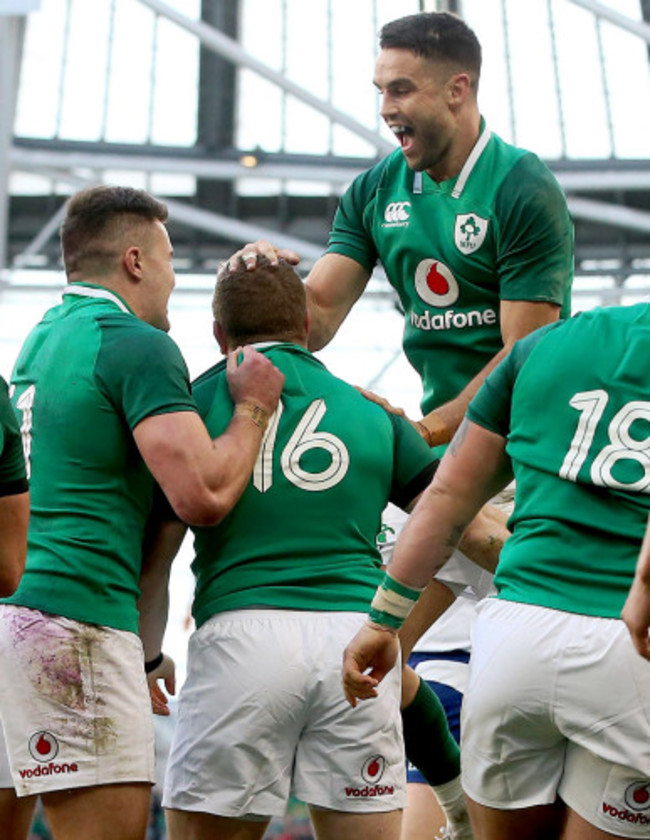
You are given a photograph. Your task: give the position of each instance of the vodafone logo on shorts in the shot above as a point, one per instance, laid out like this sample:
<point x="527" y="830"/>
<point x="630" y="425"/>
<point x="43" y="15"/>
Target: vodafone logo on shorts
<point x="435" y="283"/>
<point x="637" y="800"/>
<point x="43" y="746"/>
<point x="637" y="796"/>
<point x="373" y="769"/>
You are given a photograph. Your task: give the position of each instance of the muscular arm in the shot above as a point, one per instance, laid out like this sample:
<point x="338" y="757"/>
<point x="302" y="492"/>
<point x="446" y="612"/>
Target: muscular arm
<point x="14" y="519"/>
<point x="204" y="478"/>
<point x="518" y="319"/>
<point x="474" y="468"/>
<point x="481" y="544"/>
<point x="333" y="286"/>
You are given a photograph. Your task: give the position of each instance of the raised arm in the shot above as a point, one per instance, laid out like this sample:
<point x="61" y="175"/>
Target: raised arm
<point x="333" y="286"/>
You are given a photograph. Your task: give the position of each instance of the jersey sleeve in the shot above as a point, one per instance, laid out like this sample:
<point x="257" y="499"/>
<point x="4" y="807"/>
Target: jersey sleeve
<point x="142" y="371"/>
<point x="350" y="234"/>
<point x="536" y="239"/>
<point x="490" y="407"/>
<point x="414" y="463"/>
<point x="13" y="477"/>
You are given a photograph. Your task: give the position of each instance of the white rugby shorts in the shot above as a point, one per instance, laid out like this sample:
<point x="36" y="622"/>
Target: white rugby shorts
<point x="74" y="701"/>
<point x="557" y="704"/>
<point x="262" y="715"/>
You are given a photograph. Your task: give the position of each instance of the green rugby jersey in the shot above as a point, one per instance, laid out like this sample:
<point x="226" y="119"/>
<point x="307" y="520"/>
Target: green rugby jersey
<point x="12" y="463"/>
<point x="499" y="230"/>
<point x="573" y="400"/>
<point x="302" y="536"/>
<point x="87" y="374"/>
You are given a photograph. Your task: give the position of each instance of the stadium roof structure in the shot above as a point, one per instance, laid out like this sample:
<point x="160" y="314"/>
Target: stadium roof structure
<point x="251" y="116"/>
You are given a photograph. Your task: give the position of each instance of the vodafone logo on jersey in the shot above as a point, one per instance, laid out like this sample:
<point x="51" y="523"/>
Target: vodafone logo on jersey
<point x="43" y="746"/>
<point x="435" y="283"/>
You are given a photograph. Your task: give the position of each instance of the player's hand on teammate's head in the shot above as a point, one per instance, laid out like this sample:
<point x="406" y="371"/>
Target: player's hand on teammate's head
<point x="253" y="378"/>
<point x="366" y="660"/>
<point x="248" y="256"/>
<point x="166" y="672"/>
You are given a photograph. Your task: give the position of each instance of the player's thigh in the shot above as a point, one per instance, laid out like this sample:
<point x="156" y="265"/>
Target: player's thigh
<point x="577" y="828"/>
<point x="105" y="812"/>
<point x="342" y="825"/>
<point x="423" y="817"/>
<point x="539" y="822"/>
<point x="349" y="760"/>
<point x="193" y="825"/>
<point x="512" y="752"/>
<point x="16" y="814"/>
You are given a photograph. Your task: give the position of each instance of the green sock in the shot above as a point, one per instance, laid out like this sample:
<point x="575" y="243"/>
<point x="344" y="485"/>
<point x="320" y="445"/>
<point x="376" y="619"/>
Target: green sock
<point x="430" y="746"/>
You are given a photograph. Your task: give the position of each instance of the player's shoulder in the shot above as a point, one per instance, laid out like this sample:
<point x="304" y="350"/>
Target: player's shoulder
<point x="521" y="171"/>
<point x="370" y="180"/>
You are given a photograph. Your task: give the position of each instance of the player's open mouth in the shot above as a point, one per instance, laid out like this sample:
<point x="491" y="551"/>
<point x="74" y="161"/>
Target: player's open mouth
<point x="403" y="134"/>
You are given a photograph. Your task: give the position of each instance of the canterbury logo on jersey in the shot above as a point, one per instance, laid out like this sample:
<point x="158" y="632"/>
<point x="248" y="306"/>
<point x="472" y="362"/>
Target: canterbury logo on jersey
<point x="397" y="214"/>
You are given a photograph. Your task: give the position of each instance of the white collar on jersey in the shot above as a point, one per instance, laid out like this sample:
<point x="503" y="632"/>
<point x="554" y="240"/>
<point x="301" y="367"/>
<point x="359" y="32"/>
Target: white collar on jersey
<point x="466" y="171"/>
<point x="94" y="292"/>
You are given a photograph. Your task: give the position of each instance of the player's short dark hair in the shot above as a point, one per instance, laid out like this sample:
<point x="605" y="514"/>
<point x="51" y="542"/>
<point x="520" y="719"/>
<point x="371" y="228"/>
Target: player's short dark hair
<point x="96" y="217"/>
<point x="437" y="36"/>
<point x="265" y="304"/>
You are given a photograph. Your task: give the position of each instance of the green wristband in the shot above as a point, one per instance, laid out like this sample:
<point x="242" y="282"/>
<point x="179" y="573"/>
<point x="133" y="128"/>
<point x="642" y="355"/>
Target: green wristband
<point x="393" y="601"/>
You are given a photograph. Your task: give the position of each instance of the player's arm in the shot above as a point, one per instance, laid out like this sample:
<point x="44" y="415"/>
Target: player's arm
<point x="333" y="286"/>
<point x="518" y="319"/>
<point x="14" y="499"/>
<point x="473" y="469"/>
<point x="481" y="544"/>
<point x="636" y="611"/>
<point x="14" y="519"/>
<point x="162" y="542"/>
<point x="201" y="477"/>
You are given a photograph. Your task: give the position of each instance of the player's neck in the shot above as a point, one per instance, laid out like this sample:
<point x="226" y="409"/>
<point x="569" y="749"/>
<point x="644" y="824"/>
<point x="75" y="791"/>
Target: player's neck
<point x="460" y="148"/>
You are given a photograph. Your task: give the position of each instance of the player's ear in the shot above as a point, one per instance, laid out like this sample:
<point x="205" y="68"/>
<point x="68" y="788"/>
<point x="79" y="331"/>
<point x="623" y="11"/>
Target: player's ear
<point x="459" y="87"/>
<point x="132" y="262"/>
<point x="220" y="335"/>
